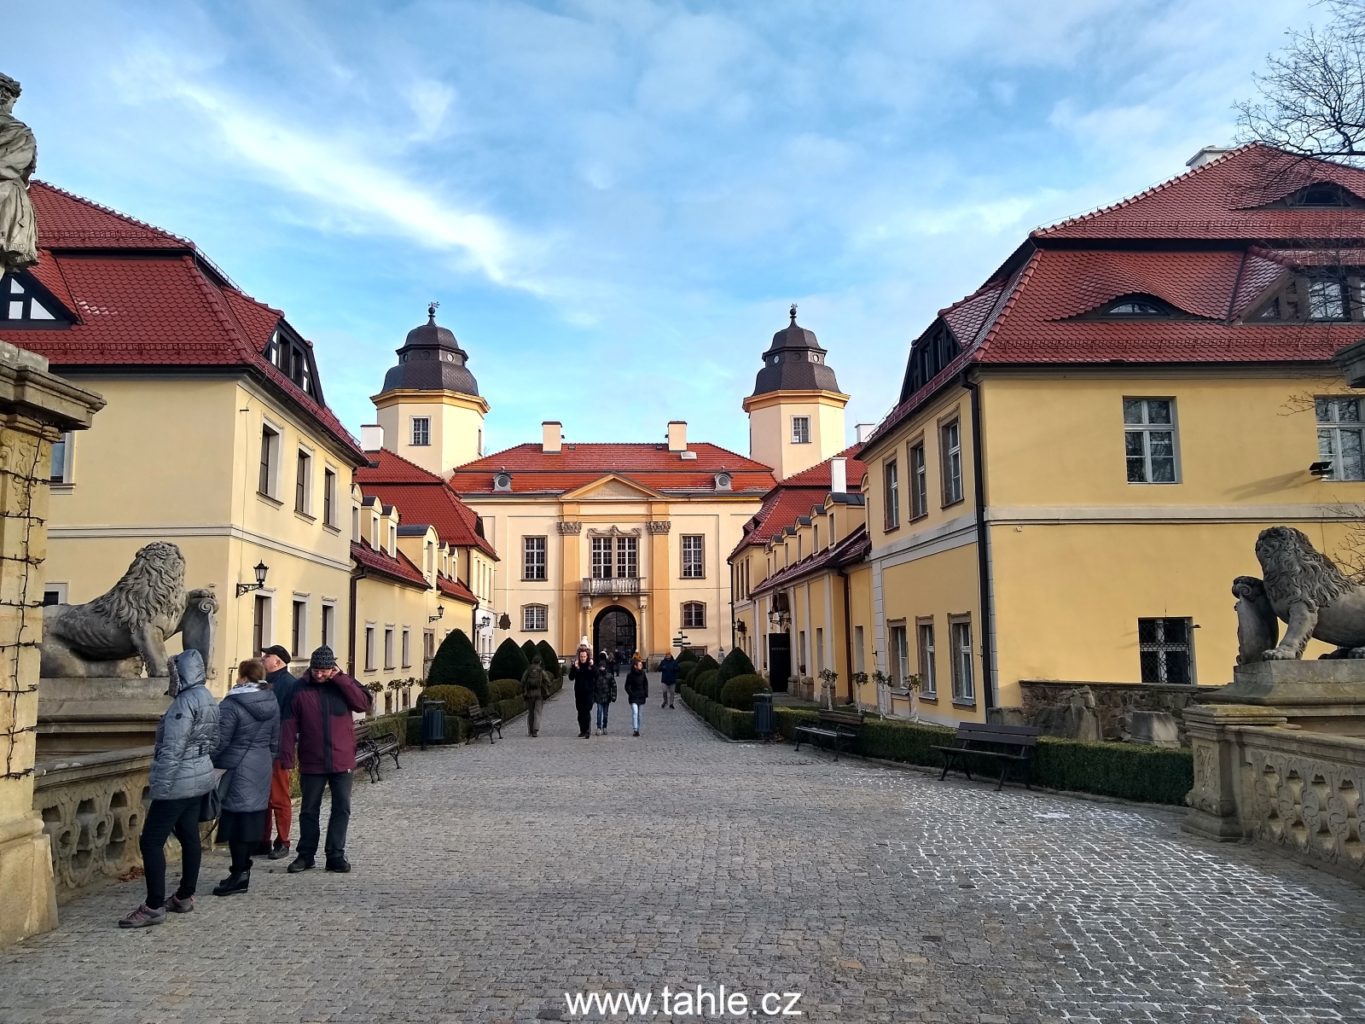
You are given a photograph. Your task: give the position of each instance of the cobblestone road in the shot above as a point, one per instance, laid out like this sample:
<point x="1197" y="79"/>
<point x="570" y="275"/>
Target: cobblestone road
<point x="491" y="880"/>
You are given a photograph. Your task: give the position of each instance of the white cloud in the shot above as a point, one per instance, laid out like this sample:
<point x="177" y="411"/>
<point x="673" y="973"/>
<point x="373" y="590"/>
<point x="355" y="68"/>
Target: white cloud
<point x="430" y="102"/>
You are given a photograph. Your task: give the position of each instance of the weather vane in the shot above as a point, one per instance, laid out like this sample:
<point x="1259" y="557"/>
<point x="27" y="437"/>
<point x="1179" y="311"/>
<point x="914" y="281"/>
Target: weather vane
<point x="793" y="312"/>
<point x="433" y="306"/>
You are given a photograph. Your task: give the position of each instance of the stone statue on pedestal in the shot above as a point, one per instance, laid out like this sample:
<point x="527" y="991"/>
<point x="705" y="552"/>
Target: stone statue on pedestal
<point x="1303" y="588"/>
<point x="18" y="159"/>
<point x="125" y="630"/>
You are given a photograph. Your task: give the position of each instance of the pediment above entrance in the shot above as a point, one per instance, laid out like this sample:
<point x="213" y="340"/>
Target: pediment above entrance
<point x="611" y="487"/>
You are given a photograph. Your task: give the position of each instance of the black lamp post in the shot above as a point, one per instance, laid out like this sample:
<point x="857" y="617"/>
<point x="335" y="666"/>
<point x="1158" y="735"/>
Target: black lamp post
<point x="246" y="588"/>
<point x="440" y="612"/>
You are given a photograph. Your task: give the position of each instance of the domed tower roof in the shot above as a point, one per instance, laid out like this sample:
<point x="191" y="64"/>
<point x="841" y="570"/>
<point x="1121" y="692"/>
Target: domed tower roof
<point x="794" y="362"/>
<point x="431" y="360"/>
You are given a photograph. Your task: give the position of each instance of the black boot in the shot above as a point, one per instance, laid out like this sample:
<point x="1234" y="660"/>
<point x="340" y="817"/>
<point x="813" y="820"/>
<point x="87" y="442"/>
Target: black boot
<point x="238" y="881"/>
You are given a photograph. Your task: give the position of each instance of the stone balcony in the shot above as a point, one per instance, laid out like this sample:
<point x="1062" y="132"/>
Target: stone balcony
<point x="619" y="586"/>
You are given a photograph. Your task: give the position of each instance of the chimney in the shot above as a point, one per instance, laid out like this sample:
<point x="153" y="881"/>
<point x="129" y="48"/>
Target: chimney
<point x="371" y="437"/>
<point x="863" y="431"/>
<point x="551" y="436"/>
<point x="838" y="475"/>
<point x="677" y="435"/>
<point x="1206" y="155"/>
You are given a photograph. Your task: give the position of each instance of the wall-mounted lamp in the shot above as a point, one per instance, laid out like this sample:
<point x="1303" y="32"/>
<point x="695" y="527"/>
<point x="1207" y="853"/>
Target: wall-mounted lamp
<point x="1321" y="469"/>
<point x="741" y="628"/>
<point x="246" y="588"/>
<point x="440" y="611"/>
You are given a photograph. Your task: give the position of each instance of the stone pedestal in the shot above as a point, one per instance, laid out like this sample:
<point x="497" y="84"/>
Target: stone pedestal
<point x="1319" y="696"/>
<point x="1214" y="742"/>
<point x="35" y="409"/>
<point x="95" y="714"/>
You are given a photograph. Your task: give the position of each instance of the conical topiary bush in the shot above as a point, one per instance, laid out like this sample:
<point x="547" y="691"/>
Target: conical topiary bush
<point x="508" y="661"/>
<point x="457" y="663"/>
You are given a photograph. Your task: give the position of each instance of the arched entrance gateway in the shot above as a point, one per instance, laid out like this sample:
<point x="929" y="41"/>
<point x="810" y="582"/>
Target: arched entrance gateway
<point x="614" y="627"/>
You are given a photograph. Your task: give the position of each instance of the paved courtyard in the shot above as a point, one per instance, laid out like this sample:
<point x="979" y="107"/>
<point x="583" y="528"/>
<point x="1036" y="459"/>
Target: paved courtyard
<point x="489" y="881"/>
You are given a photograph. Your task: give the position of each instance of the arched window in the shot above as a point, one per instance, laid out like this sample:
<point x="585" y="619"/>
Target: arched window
<point x="1135" y="306"/>
<point x="693" y="615"/>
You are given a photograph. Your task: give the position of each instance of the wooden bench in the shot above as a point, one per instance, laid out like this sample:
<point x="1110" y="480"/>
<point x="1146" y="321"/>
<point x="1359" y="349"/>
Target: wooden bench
<point x="483" y="720"/>
<point x="835" y="726"/>
<point x="370" y="749"/>
<point x="1011" y="745"/>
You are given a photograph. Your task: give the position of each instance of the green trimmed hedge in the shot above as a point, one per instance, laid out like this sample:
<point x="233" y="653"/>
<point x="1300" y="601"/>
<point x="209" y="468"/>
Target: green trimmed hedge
<point x="737" y="725"/>
<point x="706" y="682"/>
<point x="503" y="689"/>
<point x="739" y="692"/>
<point x="736" y="663"/>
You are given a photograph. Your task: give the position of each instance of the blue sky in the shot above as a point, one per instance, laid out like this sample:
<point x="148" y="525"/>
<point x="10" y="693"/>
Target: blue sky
<point x="616" y="200"/>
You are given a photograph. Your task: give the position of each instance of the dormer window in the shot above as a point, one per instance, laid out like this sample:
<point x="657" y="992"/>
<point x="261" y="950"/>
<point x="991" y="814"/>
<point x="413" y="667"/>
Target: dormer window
<point x="291" y="356"/>
<point x="22" y="300"/>
<point x="1136" y="306"/>
<point x="1322" y="193"/>
<point x="502" y="481"/>
<point x="722" y="481"/>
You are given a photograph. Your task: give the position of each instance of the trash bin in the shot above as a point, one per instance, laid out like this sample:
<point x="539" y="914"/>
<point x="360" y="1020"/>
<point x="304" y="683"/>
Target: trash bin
<point x="433" y="722"/>
<point x="764" y="722"/>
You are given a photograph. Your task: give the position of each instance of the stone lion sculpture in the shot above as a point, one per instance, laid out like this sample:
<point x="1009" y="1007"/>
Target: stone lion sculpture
<point x="126" y="629"/>
<point x="1305" y="589"/>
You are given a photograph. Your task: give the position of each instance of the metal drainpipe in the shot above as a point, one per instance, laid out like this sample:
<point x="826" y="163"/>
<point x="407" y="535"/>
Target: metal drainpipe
<point x="848" y="636"/>
<point x="982" y="555"/>
<point x="356" y="577"/>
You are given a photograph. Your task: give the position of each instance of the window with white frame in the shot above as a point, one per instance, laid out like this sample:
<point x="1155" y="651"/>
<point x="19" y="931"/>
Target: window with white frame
<point x="303" y="483"/>
<point x="693" y="615"/>
<point x="859" y="658"/>
<point x="369" y="649"/>
<point x="533" y="558"/>
<point x="950" y="445"/>
<point x="928" y="675"/>
<point x="1149" y="440"/>
<point x="891" y="482"/>
<point x="298" y="627"/>
<point x="800" y="430"/>
<point x="421" y="431"/>
<point x="1326" y="299"/>
<point x="54" y="593"/>
<point x="267" y="483"/>
<point x="355" y="524"/>
<point x="693" y="556"/>
<point x="18" y="302"/>
<point x="1340" y="432"/>
<point x="428" y="644"/>
<point x="1164" y="650"/>
<point x="261" y="634"/>
<point x="819" y="649"/>
<point x="329" y="497"/>
<point x="61" y="458"/>
<point x="388" y="647"/>
<point x="919" y="482"/>
<point x="900" y="656"/>
<point x="627" y="557"/>
<point x="535" y="618"/>
<point x="329" y="619"/>
<point x="964" y="684"/>
<point x="406" y="647"/>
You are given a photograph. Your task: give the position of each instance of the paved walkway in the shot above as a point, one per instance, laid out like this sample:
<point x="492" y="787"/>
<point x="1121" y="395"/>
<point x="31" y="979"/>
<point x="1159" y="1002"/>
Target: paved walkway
<point x="490" y="880"/>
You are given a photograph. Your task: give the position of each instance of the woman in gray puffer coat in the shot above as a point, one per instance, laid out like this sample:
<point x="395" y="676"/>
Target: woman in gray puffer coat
<point x="248" y="740"/>
<point x="181" y="774"/>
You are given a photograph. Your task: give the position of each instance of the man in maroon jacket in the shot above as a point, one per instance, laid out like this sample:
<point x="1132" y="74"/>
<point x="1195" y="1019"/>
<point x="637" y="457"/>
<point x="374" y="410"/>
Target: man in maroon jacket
<point x="320" y="726"/>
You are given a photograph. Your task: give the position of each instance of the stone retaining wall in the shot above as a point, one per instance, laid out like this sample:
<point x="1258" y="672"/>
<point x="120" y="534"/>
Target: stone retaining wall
<point x="1113" y="701"/>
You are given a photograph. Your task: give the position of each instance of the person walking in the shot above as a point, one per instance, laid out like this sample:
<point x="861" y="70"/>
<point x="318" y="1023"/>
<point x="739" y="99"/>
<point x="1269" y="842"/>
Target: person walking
<point x="319" y="733"/>
<point x="248" y="742"/>
<point x="668" y="675"/>
<point x="584" y="675"/>
<point x="604" y="693"/>
<point x="280" y="814"/>
<point x="181" y="774"/>
<point x="637" y="691"/>
<point x="535" y="687"/>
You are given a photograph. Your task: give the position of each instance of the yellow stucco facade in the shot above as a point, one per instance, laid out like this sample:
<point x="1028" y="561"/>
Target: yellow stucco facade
<point x="794" y="430"/>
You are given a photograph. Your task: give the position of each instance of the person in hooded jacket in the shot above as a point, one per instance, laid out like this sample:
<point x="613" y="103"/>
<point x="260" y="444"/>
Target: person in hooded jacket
<point x="604" y="692"/>
<point x="181" y="774"/>
<point x="668" y="675"/>
<point x="280" y="814"/>
<point x="584" y="675"/>
<point x="248" y="740"/>
<point x="637" y="691"/>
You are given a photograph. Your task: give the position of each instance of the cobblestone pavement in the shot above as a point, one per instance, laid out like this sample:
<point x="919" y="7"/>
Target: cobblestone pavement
<point x="491" y="880"/>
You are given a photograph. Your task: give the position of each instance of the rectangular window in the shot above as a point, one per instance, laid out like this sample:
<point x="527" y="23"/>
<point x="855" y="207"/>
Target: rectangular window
<point x="800" y="430"/>
<point x="329" y="618"/>
<point x="298" y="631"/>
<point x="964" y="686"/>
<point x="1164" y="651"/>
<point x="1326" y="299"/>
<point x="900" y="665"/>
<point x="819" y="649"/>
<point x="693" y="556"/>
<point x="329" y="497"/>
<point x="919" y="482"/>
<point x="533" y="558"/>
<point x="534" y="618"/>
<point x="61" y="465"/>
<point x="859" y="660"/>
<point x="421" y="431"/>
<point x="601" y="558"/>
<point x="388" y="647"/>
<point x="428" y="644"/>
<point x="260" y="624"/>
<point x="270" y="457"/>
<point x="693" y="615"/>
<point x="892" y="500"/>
<point x="627" y="557"/>
<point x="801" y="650"/>
<point x="54" y="593"/>
<point x="1149" y="440"/>
<point x="928" y="677"/>
<point x="369" y="649"/>
<point x="407" y="648"/>
<point x="950" y="445"/>
<point x="1339" y="437"/>
<point x="303" y="484"/>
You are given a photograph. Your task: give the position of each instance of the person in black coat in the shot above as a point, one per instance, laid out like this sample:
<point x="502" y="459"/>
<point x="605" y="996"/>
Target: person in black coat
<point x="584" y="675"/>
<point x="248" y="740"/>
<point x="637" y="691"/>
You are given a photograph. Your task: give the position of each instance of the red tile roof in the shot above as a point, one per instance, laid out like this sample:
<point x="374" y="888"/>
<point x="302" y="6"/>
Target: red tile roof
<point x="400" y="568"/>
<point x="457" y="590"/>
<point x="422" y="497"/>
<point x="796" y="496"/>
<point x="141" y="297"/>
<point x="653" y="466"/>
<point x="853" y="548"/>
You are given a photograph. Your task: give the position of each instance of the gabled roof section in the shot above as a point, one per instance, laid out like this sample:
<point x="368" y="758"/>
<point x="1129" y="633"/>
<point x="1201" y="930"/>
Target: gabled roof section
<point x="849" y="551"/>
<point x="611" y="486"/>
<point x="422" y="497"/>
<point x="1226" y="199"/>
<point x="653" y="466"/>
<point x="68" y="221"/>
<point x="399" y="569"/>
<point x="795" y="496"/>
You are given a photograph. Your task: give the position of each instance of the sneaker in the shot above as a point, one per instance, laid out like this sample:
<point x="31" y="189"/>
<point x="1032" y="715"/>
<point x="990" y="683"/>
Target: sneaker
<point x="300" y="863"/>
<point x="233" y="884"/>
<point x="637" y="732"/>
<point x="143" y="917"/>
<point x="280" y="851"/>
<point x="338" y="864"/>
<point x="178" y="906"/>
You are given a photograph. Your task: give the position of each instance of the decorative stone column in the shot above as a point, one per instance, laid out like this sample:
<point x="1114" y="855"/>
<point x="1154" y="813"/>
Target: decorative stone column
<point x="36" y="408"/>
<point x="1216" y="800"/>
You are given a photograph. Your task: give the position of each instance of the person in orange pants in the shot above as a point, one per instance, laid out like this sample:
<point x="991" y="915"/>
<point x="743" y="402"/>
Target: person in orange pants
<point x="280" y="814"/>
